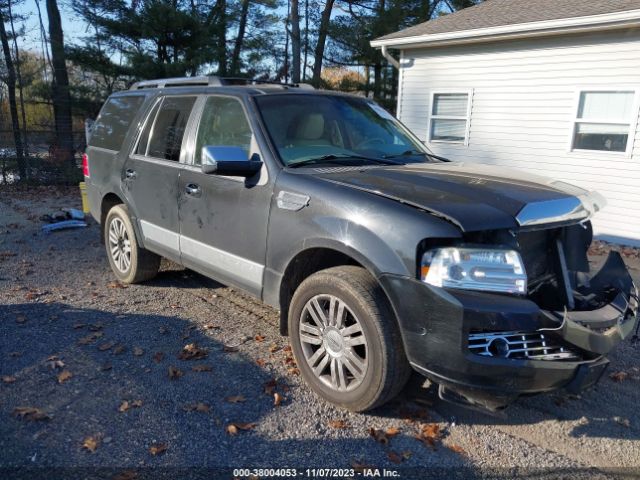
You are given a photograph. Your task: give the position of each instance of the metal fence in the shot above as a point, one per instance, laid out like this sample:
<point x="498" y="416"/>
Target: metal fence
<point x="42" y="163"/>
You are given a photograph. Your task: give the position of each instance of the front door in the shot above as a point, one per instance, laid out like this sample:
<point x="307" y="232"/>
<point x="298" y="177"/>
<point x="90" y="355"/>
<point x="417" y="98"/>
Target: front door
<point x="223" y="220"/>
<point x="150" y="174"/>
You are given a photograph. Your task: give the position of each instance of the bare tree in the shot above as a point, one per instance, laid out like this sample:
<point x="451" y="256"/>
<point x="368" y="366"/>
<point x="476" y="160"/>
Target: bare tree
<point x="11" y="86"/>
<point x="322" y="40"/>
<point x="60" y="88"/>
<point x="295" y="41"/>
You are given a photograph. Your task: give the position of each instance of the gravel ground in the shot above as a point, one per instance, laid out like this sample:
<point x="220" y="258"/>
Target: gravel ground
<point x="62" y="315"/>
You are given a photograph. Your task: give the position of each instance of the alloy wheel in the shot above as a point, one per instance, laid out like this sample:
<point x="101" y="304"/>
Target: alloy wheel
<point x="119" y="245"/>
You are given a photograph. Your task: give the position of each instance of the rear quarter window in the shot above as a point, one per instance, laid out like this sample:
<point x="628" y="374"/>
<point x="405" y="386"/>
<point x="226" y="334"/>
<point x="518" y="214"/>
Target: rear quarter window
<point x="114" y="121"/>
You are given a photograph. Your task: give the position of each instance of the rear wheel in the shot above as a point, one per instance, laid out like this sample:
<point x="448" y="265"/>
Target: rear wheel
<point x="346" y="340"/>
<point x="129" y="262"/>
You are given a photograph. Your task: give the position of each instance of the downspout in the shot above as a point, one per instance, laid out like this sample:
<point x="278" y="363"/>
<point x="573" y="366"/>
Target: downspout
<point x="390" y="58"/>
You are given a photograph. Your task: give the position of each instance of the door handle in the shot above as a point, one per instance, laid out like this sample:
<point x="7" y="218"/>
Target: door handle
<point x="131" y="174"/>
<point x="193" y="190"/>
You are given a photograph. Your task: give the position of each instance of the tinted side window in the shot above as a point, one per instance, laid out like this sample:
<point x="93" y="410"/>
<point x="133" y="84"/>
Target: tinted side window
<point x="223" y="122"/>
<point x="114" y="120"/>
<point x="141" y="149"/>
<point x="169" y="127"/>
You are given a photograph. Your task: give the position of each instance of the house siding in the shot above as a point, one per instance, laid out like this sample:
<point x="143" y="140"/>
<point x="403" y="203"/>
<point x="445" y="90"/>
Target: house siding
<point x="524" y="102"/>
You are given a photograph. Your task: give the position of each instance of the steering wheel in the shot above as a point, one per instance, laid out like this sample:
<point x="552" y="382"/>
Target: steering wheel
<point x="370" y="141"/>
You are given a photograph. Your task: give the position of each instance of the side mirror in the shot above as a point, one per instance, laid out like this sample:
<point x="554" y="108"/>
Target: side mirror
<point x="228" y="161"/>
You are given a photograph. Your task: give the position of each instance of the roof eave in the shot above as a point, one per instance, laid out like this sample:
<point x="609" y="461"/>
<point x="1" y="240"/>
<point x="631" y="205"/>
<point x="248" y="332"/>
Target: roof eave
<point x="590" y="23"/>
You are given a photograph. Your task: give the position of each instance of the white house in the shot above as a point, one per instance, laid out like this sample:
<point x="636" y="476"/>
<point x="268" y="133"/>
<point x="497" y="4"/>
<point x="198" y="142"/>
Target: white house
<point x="547" y="86"/>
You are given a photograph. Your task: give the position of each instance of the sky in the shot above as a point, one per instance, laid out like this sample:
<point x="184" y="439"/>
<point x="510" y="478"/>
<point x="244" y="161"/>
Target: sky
<point x="74" y="28"/>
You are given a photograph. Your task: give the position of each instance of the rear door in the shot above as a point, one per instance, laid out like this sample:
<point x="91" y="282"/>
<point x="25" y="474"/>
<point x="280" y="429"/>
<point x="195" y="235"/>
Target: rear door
<point x="223" y="220"/>
<point x="150" y="174"/>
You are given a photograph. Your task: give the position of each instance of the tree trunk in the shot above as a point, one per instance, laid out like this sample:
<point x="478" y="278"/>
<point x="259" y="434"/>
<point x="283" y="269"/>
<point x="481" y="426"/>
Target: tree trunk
<point x="19" y="80"/>
<point x="295" y="42"/>
<point x="61" y="97"/>
<point x="237" y="49"/>
<point x="306" y="40"/>
<point x="222" y="37"/>
<point x="11" y="86"/>
<point x="322" y="39"/>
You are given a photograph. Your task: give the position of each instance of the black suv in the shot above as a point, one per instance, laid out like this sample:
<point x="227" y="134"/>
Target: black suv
<point x="380" y="256"/>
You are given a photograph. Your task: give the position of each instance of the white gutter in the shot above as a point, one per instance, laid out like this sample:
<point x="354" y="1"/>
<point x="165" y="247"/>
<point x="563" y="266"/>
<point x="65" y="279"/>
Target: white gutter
<point x="590" y="23"/>
<point x="390" y="58"/>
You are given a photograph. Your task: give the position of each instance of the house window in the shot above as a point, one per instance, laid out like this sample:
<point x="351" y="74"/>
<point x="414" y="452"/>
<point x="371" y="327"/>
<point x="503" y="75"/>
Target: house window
<point x="449" y="119"/>
<point x="604" y="121"/>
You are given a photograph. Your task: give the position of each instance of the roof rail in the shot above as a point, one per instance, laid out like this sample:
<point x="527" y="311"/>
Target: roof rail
<point x="212" y="81"/>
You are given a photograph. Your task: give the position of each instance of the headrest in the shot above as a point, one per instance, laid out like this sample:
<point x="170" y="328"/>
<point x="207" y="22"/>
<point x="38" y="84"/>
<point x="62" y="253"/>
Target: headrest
<point x="311" y="127"/>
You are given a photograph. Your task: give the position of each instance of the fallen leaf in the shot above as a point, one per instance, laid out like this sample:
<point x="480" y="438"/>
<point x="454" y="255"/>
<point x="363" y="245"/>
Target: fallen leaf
<point x="30" y="413"/>
<point x="293" y="371"/>
<point x="90" y="338"/>
<point x="287" y="348"/>
<point x="392" y="432"/>
<point x="158" y="357"/>
<point x="261" y="362"/>
<point x="623" y="421"/>
<point x="270" y="386"/>
<point x="429" y="434"/>
<point x="157" y="448"/>
<point x="379" y="435"/>
<point x="339" y="424"/>
<point x="8" y="379"/>
<point x="197" y="407"/>
<point x="236" y="399"/>
<point x="233" y="428"/>
<point x="91" y="443"/>
<point x="116" y="285"/>
<point x="202" y="368"/>
<point x="21" y="318"/>
<point x="277" y="399"/>
<point x="53" y="362"/>
<point x="174" y="373"/>
<point x="15" y="354"/>
<point x="95" y="327"/>
<point x="230" y="348"/>
<point x="64" y="376"/>
<point x="619" y="376"/>
<point x="259" y="338"/>
<point x="138" y="352"/>
<point x="191" y="351"/>
<point x="106" y="366"/>
<point x="360" y="466"/>
<point x="118" y="349"/>
<point x="105" y="346"/>
<point x="163" y="330"/>
<point x="79" y="325"/>
<point x="394" y="457"/>
<point x="211" y="326"/>
<point x="456" y="448"/>
<point x="274" y="348"/>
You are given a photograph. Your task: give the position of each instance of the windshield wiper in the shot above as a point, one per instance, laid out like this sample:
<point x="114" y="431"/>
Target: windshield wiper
<point x="409" y="153"/>
<point x="332" y="157"/>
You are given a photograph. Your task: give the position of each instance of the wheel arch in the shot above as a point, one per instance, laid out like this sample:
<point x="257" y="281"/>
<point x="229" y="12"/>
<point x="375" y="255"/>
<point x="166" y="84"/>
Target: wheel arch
<point x="108" y="201"/>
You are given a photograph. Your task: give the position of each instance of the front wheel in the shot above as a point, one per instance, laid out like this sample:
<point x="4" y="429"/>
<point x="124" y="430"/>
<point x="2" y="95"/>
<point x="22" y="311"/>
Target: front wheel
<point x="129" y="262"/>
<point x="346" y="340"/>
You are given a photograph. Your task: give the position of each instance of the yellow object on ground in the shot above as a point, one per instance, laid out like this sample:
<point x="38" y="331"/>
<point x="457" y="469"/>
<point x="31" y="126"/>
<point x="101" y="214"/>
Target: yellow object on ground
<point x="83" y="194"/>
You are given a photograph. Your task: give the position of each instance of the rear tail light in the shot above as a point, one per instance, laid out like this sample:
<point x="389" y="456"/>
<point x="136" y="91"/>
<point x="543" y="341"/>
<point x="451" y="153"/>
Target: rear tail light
<point x="85" y="165"/>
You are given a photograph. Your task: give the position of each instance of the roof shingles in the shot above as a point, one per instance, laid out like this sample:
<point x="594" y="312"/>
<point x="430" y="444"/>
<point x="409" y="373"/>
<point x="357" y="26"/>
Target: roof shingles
<point x="496" y="13"/>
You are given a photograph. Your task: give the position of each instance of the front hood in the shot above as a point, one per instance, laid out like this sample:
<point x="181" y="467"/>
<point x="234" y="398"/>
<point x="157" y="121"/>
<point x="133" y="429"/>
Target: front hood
<point x="474" y="197"/>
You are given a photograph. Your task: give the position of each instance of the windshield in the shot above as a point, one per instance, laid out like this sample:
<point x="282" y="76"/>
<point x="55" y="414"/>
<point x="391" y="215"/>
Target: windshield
<point x="334" y="129"/>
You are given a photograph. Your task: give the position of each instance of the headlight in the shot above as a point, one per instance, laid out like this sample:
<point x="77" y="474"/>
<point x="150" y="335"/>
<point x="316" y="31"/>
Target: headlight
<point x="492" y="270"/>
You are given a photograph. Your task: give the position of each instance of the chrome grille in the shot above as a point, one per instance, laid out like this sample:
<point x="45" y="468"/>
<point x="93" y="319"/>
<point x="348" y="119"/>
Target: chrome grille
<point x="519" y="345"/>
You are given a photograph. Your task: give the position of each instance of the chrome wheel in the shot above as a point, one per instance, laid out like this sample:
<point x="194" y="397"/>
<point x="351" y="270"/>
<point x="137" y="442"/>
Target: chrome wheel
<point x="119" y="245"/>
<point x="333" y="343"/>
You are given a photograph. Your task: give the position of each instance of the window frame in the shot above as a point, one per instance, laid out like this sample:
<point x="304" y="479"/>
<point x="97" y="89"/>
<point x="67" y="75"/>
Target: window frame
<point x="467" y="117"/>
<point x="159" y="100"/>
<point x="633" y="122"/>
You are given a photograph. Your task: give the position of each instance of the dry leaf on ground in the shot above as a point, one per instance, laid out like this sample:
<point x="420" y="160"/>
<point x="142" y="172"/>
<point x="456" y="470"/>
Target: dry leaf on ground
<point x="270" y="386"/>
<point x="53" y="362"/>
<point x="456" y="448"/>
<point x="236" y="399"/>
<point x="138" y="352"/>
<point x="619" y="376"/>
<point x="202" y="368"/>
<point x="126" y="405"/>
<point x="125" y="475"/>
<point x="174" y="373"/>
<point x="158" y="357"/>
<point x="277" y="399"/>
<point x="394" y="457"/>
<point x="234" y="428"/>
<point x="430" y="433"/>
<point x="105" y="346"/>
<point x="339" y="424"/>
<point x="197" y="407"/>
<point x="64" y="376"/>
<point x="259" y="338"/>
<point x="30" y="413"/>
<point x="192" y="351"/>
<point x="8" y="379"/>
<point x="157" y="448"/>
<point x="91" y="443"/>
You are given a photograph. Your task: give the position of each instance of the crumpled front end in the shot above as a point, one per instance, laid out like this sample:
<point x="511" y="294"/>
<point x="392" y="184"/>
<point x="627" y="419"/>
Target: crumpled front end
<point x="486" y="349"/>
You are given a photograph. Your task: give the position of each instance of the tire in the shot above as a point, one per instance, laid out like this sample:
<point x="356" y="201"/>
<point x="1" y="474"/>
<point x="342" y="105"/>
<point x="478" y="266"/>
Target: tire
<point x="130" y="262"/>
<point x="367" y="330"/>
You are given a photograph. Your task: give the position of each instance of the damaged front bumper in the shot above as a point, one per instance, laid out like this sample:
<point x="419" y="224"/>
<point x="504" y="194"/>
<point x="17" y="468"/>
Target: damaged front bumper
<point x="487" y="349"/>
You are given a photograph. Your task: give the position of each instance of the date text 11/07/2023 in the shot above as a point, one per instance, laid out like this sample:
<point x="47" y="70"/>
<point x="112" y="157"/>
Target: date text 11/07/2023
<point x="364" y="472"/>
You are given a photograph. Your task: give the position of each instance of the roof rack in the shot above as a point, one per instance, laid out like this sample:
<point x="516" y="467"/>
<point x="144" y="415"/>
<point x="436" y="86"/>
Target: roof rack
<point x="212" y="81"/>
